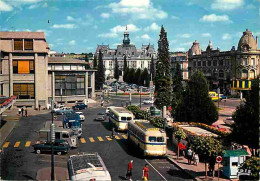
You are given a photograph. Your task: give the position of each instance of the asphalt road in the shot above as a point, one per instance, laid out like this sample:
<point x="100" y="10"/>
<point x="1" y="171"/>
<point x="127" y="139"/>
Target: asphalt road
<point x="20" y="162"/>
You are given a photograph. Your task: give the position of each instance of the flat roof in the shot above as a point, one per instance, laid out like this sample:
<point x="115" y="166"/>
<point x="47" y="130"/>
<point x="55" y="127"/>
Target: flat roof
<point x="64" y="60"/>
<point x="198" y="130"/>
<point x="16" y="35"/>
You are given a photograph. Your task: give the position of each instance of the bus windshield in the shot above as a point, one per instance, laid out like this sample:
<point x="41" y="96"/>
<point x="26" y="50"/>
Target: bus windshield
<point x="156" y="139"/>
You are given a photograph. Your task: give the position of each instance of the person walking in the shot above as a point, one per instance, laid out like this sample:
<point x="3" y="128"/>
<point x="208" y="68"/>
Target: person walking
<point x="189" y="155"/>
<point x="22" y="111"/>
<point x="146" y="172"/>
<point x="19" y="111"/>
<point x="113" y="132"/>
<point x="39" y="107"/>
<point x="129" y="170"/>
<point x="196" y="159"/>
<point x="25" y="112"/>
<point x="102" y="103"/>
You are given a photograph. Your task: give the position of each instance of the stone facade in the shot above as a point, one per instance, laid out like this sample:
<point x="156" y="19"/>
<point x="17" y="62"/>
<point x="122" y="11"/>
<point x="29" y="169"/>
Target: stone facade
<point x="182" y="59"/>
<point x="136" y="58"/>
<point x="221" y="67"/>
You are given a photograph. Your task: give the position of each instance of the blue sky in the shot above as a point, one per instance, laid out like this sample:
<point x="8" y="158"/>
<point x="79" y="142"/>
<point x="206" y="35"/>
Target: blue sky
<point x="79" y="25"/>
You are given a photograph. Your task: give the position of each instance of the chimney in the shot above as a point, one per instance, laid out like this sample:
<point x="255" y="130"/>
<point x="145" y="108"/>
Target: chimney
<point x="256" y="42"/>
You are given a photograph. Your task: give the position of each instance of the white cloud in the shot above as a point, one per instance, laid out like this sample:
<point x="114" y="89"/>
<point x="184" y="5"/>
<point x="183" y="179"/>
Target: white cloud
<point x="187" y="43"/>
<point x="146" y="36"/>
<point x="226" y="4"/>
<point x="72" y="42"/>
<point x="153" y="27"/>
<point x="5" y="7"/>
<point x="226" y="36"/>
<point x="256" y="33"/>
<point x="179" y="49"/>
<point x="70" y="18"/>
<point x="175" y="17"/>
<point x="47" y="32"/>
<point x="215" y="18"/>
<point x="206" y="35"/>
<point x="108" y="35"/>
<point x="120" y="29"/>
<point x="105" y="15"/>
<point x="250" y="6"/>
<point x="66" y="26"/>
<point x="186" y="35"/>
<point x="138" y="9"/>
<point x="95" y="27"/>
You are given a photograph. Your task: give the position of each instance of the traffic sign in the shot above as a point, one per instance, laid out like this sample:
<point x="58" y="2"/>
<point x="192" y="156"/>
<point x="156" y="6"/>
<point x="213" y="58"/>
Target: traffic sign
<point x="219" y="159"/>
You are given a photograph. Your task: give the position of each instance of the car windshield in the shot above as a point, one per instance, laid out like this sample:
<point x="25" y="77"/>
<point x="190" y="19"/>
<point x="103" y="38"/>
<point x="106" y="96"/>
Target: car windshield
<point x="101" y="113"/>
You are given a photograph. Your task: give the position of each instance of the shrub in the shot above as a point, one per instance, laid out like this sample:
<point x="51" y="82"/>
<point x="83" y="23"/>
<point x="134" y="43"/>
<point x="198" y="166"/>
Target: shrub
<point x="157" y="122"/>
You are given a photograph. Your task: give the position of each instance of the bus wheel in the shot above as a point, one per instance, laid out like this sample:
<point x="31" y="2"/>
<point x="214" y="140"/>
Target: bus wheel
<point x="38" y="151"/>
<point x="58" y="153"/>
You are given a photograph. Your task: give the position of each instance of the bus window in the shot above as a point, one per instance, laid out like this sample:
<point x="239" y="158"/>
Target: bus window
<point x="123" y="118"/>
<point x="65" y="135"/>
<point x="152" y="139"/>
<point x="57" y="135"/>
<point x="129" y="118"/>
<point x="160" y="139"/>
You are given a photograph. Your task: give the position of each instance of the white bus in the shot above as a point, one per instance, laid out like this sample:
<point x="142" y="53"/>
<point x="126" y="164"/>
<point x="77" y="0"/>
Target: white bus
<point x="150" y="141"/>
<point x="87" y="166"/>
<point x="119" y="117"/>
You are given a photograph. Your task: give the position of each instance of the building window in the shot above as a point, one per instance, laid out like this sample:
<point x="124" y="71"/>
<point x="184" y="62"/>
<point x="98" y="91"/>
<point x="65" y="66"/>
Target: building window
<point x="23" y="66"/>
<point x="252" y="61"/>
<point x="244" y="62"/>
<point x="221" y="62"/>
<point x="199" y="63"/>
<point x="251" y="74"/>
<point x="133" y="53"/>
<point x="18" y="44"/>
<point x="24" y="91"/>
<point x="204" y="63"/>
<point x="244" y="74"/>
<point x="194" y="64"/>
<point x="221" y="74"/>
<point x="28" y="44"/>
<point x="119" y="53"/>
<point x="209" y="62"/>
<point x="214" y="62"/>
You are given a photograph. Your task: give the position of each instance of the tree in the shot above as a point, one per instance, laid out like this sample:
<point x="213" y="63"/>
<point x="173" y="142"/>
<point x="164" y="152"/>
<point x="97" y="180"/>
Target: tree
<point x="125" y="76"/>
<point x="179" y="135"/>
<point x="252" y="164"/>
<point x="177" y="89"/>
<point x="197" y="106"/>
<point x="144" y="78"/>
<point x="87" y="61"/>
<point x="116" y="70"/>
<point x="163" y="73"/>
<point x="131" y="76"/>
<point x="100" y="74"/>
<point x="245" y="129"/>
<point x="208" y="148"/>
<point x="125" y="63"/>
<point x="95" y="62"/>
<point x="152" y="68"/>
<point x="137" y="76"/>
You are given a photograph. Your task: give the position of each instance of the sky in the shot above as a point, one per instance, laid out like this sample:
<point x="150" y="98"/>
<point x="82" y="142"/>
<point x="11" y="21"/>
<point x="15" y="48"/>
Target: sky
<point x="78" y="26"/>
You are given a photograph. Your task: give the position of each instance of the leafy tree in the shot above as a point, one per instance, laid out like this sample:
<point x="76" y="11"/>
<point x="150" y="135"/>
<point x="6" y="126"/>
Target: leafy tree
<point x="197" y="106"/>
<point x="208" y="148"/>
<point x="144" y="79"/>
<point x="116" y="70"/>
<point x="87" y="61"/>
<point x="137" y="76"/>
<point x="100" y="74"/>
<point x="252" y="164"/>
<point x="163" y="73"/>
<point x="125" y="76"/>
<point x="179" y="135"/>
<point x="131" y="75"/>
<point x="245" y="129"/>
<point x="177" y="88"/>
<point x="95" y="62"/>
<point x="152" y="68"/>
<point x="125" y="63"/>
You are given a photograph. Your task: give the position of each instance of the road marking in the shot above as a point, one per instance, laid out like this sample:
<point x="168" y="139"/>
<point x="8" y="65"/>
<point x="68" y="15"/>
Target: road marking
<point x="28" y="143"/>
<point x="100" y="138"/>
<point x="91" y="139"/>
<point x="155" y="169"/>
<point x="117" y="137"/>
<point x="17" y="144"/>
<point x="82" y="140"/>
<point x="124" y="136"/>
<point x="108" y="138"/>
<point x="6" y="144"/>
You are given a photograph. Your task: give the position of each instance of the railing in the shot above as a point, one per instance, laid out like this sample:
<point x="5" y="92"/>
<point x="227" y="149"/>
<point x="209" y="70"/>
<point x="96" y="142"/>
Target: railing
<point x="7" y="104"/>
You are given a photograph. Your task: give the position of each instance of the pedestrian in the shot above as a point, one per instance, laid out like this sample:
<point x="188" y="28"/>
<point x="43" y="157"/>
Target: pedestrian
<point x="113" y="132"/>
<point x="39" y="107"/>
<point x="22" y="111"/>
<point x="26" y="112"/>
<point x="19" y="111"/>
<point x="129" y="170"/>
<point x="189" y="155"/>
<point x="146" y="172"/>
<point x="196" y="159"/>
<point x="102" y="103"/>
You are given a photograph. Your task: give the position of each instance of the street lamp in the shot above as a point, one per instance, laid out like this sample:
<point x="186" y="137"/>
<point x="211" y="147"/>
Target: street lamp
<point x="52" y="131"/>
<point x="130" y="96"/>
<point x="140" y="92"/>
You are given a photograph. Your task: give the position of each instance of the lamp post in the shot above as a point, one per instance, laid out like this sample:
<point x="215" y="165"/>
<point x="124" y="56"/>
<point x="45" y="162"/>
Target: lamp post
<point x="61" y="94"/>
<point x="140" y="92"/>
<point x="130" y="96"/>
<point x="52" y="131"/>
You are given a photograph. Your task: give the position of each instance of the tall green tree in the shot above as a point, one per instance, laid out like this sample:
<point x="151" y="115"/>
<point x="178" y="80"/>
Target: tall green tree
<point x="152" y="68"/>
<point x="245" y="129"/>
<point x="95" y="62"/>
<point x="177" y="89"/>
<point x="125" y="76"/>
<point x="131" y="76"/>
<point x="144" y="78"/>
<point x="163" y="73"/>
<point x="87" y="61"/>
<point x="125" y="63"/>
<point x="100" y="74"/>
<point x="116" y="70"/>
<point x="197" y="106"/>
<point x="137" y="76"/>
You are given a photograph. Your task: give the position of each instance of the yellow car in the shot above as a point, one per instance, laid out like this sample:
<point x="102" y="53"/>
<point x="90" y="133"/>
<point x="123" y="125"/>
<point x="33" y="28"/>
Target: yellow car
<point x="214" y="96"/>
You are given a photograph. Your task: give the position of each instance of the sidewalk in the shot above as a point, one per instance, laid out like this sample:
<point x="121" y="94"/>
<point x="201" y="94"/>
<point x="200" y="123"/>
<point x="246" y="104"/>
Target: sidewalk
<point x="45" y="173"/>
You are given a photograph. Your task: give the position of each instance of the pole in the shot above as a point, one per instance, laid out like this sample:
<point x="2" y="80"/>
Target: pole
<point x="52" y="150"/>
<point x="130" y="97"/>
<point x="61" y="95"/>
<point x="116" y="89"/>
<point x="140" y="98"/>
<point x="218" y="171"/>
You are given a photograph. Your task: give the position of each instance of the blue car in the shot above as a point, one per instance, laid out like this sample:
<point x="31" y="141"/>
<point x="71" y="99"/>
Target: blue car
<point x="79" y="106"/>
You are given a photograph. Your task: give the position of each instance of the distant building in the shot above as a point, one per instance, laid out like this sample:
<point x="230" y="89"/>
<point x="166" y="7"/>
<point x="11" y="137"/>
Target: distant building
<point x="136" y="58"/>
<point x="221" y="67"/>
<point x="182" y="59"/>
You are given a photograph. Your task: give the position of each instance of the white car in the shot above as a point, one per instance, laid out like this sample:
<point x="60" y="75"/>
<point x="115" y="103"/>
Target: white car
<point x="229" y="121"/>
<point x="148" y="101"/>
<point x="59" y="107"/>
<point x="81" y="115"/>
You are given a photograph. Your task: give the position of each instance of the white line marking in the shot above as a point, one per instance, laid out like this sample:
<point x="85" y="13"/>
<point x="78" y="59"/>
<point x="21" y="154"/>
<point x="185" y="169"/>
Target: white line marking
<point x="155" y="169"/>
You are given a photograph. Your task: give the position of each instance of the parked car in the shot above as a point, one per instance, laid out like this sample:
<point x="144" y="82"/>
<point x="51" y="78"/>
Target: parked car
<point x="59" y="107"/>
<point x="229" y="121"/>
<point x="222" y="96"/>
<point x="81" y="115"/>
<point x="59" y="147"/>
<point x="100" y="117"/>
<point x="79" y="106"/>
<point x="63" y="110"/>
<point x="148" y="101"/>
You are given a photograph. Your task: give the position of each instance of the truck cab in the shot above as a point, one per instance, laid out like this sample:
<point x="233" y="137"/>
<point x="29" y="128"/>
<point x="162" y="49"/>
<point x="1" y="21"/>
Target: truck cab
<point x="71" y="120"/>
